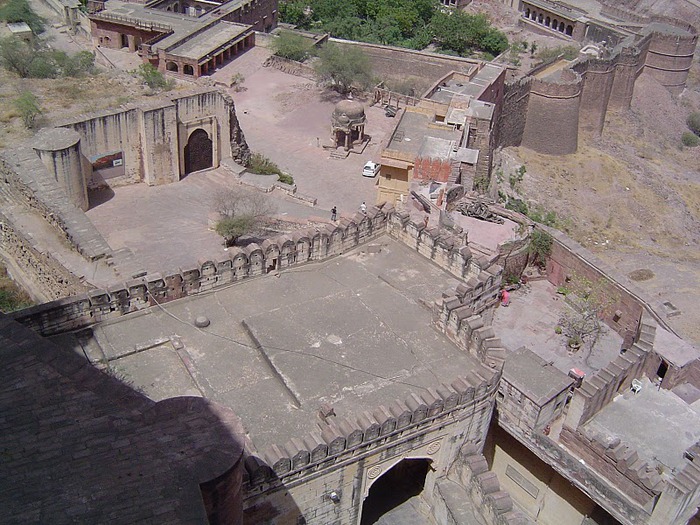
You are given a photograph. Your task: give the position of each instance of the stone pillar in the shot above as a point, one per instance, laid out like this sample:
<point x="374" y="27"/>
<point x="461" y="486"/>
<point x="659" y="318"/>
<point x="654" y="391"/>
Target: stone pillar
<point x="59" y="150"/>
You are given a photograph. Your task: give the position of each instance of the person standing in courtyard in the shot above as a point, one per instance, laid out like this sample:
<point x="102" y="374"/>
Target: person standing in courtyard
<point x="363" y="207"/>
<point x="334" y="213"/>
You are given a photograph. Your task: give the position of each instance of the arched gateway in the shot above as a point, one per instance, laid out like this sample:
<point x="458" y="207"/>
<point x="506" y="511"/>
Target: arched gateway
<point x="198" y="152"/>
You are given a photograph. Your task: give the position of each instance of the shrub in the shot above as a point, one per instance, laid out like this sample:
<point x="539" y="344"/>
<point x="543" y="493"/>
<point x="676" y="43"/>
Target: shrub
<point x="292" y="46"/>
<point x="28" y="106"/>
<point x="551" y="53"/>
<point x="260" y="164"/>
<point x="20" y="11"/>
<point x="693" y="122"/>
<point x="153" y="78"/>
<point x="690" y="140"/>
<point x="517" y="205"/>
<point x="285" y="178"/>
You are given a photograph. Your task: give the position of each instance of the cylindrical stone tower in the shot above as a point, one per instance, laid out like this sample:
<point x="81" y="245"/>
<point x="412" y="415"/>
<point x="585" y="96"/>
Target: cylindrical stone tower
<point x="551" y="126"/>
<point x="59" y="150"/>
<point x="670" y="54"/>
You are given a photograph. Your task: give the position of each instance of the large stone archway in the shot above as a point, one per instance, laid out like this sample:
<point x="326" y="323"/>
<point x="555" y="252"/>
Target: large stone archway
<point x="199" y="153"/>
<point x="396" y="486"/>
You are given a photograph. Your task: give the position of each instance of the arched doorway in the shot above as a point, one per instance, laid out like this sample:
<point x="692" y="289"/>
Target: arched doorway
<point x="399" y="484"/>
<point x="198" y="152"/>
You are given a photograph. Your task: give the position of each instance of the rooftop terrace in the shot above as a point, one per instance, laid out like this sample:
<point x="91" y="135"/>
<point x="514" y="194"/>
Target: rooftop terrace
<point x="530" y="321"/>
<point x="352" y="331"/>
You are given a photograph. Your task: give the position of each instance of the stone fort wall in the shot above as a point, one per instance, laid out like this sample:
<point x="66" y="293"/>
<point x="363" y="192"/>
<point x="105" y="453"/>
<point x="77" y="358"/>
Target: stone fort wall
<point x="39" y="270"/>
<point x="551" y="126"/>
<point x="554" y="112"/>
<point x="447" y="251"/>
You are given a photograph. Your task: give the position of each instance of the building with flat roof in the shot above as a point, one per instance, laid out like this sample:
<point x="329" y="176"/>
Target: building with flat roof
<point x="446" y="135"/>
<point x="189" y="38"/>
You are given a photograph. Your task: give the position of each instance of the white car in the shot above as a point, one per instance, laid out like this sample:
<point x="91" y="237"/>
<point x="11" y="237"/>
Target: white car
<point x="371" y="169"/>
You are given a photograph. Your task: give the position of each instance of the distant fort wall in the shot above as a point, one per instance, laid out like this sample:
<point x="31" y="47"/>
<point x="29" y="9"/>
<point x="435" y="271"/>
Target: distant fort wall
<point x="546" y="115"/>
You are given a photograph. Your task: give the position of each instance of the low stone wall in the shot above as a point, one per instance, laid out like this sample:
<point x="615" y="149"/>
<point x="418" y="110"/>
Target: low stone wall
<point x="618" y="462"/>
<point x="254" y="260"/>
<point x="291" y="67"/>
<point x="44" y="275"/>
<point x="24" y="179"/>
<point x="480" y="487"/>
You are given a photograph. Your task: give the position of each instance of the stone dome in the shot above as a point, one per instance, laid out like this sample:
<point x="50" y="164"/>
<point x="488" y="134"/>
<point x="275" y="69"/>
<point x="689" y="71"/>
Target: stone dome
<point x="354" y="110"/>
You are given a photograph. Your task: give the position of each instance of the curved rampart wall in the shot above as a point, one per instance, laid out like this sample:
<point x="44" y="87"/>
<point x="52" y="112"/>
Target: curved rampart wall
<point x="551" y="126"/>
<point x="598" y="77"/>
<point x="670" y="56"/>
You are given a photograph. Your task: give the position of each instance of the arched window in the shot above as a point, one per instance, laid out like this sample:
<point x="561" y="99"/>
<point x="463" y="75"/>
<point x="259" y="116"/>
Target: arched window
<point x="172" y="66"/>
<point x="561" y="27"/>
<point x="188" y="69"/>
<point x="527" y="13"/>
<point x="547" y="21"/>
<point x="569" y="30"/>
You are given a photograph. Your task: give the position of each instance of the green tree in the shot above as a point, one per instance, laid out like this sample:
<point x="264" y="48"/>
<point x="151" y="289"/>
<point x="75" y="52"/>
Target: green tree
<point x="343" y="67"/>
<point x="463" y="33"/>
<point x="28" y="107"/>
<point x="294" y="13"/>
<point x="540" y="247"/>
<point x="292" y="46"/>
<point x="241" y="212"/>
<point x="153" y="78"/>
<point x="590" y="301"/>
<point x="17" y="56"/>
<point x="693" y="122"/>
<point x="19" y="11"/>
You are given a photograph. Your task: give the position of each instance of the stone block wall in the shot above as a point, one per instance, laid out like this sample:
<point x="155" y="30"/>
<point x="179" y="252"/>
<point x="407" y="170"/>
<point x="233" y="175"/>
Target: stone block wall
<point x="37" y="271"/>
<point x="393" y="62"/>
<point x="570" y="260"/>
<point x="511" y="123"/>
<point x="617" y="462"/>
<point x="482" y="489"/>
<point x="25" y="181"/>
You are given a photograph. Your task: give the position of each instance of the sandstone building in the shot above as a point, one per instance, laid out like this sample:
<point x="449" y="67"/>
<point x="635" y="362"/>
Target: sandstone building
<point x="182" y="38"/>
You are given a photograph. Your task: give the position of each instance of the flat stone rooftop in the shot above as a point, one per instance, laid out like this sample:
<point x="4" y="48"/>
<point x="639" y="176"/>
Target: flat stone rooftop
<point x="414" y="128"/>
<point x="530" y="321"/>
<point x="657" y="423"/>
<point x="353" y="331"/>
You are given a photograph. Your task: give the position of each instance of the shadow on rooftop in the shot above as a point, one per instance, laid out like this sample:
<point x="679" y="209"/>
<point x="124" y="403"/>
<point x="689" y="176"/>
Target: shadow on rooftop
<point x="101" y="451"/>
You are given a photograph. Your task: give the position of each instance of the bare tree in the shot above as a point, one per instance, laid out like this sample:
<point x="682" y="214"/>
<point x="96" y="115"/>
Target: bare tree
<point x="241" y="212"/>
<point x="590" y="301"/>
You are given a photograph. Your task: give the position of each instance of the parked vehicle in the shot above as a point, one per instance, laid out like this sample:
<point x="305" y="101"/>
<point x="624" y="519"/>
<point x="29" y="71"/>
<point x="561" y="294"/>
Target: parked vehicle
<point x="371" y="169"/>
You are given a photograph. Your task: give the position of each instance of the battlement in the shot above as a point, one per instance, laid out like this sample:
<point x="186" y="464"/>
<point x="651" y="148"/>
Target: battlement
<point x="386" y="427"/>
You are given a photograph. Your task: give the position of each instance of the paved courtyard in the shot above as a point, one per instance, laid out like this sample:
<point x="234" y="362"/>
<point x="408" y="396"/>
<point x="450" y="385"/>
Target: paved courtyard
<point x="530" y="321"/>
<point x="166" y="227"/>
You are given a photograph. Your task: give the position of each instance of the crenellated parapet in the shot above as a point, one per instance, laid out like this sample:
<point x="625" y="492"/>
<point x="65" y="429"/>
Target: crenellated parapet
<point x="599" y="389"/>
<point x="338" y="440"/>
<point x="483" y="488"/>
<point x="207" y="274"/>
